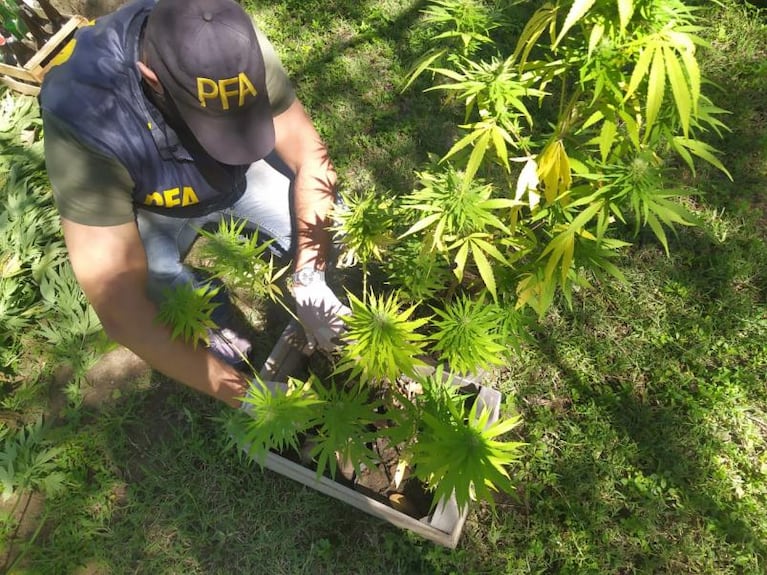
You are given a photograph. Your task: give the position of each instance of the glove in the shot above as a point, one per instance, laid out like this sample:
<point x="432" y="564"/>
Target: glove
<point x="319" y="310"/>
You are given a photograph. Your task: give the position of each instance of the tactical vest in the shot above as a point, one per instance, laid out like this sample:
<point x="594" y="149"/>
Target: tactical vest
<point x="97" y="93"/>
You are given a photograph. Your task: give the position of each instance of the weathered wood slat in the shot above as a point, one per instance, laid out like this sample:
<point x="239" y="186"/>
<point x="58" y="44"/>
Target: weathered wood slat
<point x="26" y="79"/>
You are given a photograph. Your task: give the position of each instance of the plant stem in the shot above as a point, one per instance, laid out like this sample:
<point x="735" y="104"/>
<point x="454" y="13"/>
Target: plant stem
<point x="29" y="543"/>
<point x="15" y="533"/>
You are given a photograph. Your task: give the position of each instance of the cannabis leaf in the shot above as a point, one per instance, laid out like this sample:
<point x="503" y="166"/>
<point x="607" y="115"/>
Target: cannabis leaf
<point x="381" y="340"/>
<point x="469" y="334"/>
<point x="277" y="415"/>
<point x="187" y="310"/>
<point x="238" y="258"/>
<point x="457" y="451"/>
<point x="344" y="429"/>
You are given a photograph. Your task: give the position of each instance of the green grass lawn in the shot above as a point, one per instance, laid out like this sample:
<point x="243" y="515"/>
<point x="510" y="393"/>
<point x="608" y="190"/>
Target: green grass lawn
<point x="644" y="405"/>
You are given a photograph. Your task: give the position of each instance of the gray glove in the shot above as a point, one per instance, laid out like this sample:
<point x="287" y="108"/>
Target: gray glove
<point x="319" y="310"/>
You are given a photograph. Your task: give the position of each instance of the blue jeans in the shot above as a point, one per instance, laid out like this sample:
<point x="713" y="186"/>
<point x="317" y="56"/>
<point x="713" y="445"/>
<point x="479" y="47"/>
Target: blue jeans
<point x="265" y="207"/>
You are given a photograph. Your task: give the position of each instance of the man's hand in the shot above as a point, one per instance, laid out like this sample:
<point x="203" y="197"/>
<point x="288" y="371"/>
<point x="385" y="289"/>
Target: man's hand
<point x="319" y="311"/>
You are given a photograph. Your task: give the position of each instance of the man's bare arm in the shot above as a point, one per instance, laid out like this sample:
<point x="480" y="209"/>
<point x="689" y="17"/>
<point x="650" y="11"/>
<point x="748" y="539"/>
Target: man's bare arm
<point x="301" y="148"/>
<point x="110" y="265"/>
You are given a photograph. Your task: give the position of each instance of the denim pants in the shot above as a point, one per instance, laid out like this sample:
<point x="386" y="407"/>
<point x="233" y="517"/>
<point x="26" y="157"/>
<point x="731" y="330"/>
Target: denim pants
<point x="265" y="207"/>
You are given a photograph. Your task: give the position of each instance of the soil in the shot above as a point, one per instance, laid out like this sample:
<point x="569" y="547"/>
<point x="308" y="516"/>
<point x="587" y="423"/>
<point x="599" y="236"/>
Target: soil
<point x="407" y="495"/>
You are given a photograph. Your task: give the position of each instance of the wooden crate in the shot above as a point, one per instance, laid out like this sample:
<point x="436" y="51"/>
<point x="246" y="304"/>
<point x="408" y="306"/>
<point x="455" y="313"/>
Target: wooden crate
<point x="27" y="79"/>
<point x="444" y="524"/>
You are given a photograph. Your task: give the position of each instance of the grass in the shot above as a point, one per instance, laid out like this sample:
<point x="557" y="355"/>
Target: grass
<point x="644" y="405"/>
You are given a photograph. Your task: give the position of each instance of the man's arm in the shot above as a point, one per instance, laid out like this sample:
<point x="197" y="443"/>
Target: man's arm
<point x="110" y="265"/>
<point x="301" y="148"/>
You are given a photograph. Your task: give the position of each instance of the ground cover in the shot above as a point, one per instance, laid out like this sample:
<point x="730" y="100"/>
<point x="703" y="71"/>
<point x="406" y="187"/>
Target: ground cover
<point x="644" y="405"/>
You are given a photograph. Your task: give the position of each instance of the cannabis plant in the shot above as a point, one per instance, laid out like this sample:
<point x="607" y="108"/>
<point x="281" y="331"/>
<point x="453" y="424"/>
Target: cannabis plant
<point x="188" y="310"/>
<point x="381" y="339"/>
<point x="457" y="452"/>
<point x="593" y="103"/>
<point x="239" y="258"/>
<point x="28" y="463"/>
<point x="347" y="414"/>
<point x="468" y="334"/>
<point x="364" y="224"/>
<point x="276" y="416"/>
<point x="458" y="217"/>
<point x="417" y="274"/>
<point x="43" y="312"/>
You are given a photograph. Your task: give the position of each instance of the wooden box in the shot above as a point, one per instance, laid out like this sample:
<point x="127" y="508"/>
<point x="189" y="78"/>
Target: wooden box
<point x="443" y="526"/>
<point x="27" y="79"/>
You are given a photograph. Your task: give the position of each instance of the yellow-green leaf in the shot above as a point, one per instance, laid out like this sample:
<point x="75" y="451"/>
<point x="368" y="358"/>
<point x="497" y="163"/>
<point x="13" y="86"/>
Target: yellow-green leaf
<point x="656" y="87"/>
<point x="632" y="128"/>
<point x="554" y="170"/>
<point x="557" y="248"/>
<point x="489" y="248"/>
<point x="596" y="35"/>
<point x="585" y="216"/>
<point x="421" y="224"/>
<point x="485" y="269"/>
<point x="567" y="257"/>
<point x="577" y="11"/>
<point x="460" y="260"/>
<point x="704" y="151"/>
<point x="540" y="20"/>
<point x="475" y="160"/>
<point x="422" y="65"/>
<point x="682" y="151"/>
<point x="678" y="88"/>
<point x="500" y="203"/>
<point x="693" y="75"/>
<point x="593" y="119"/>
<point x="499" y="143"/>
<point x="607" y="138"/>
<point x="625" y="11"/>
<point x="462" y="143"/>
<point x="657" y="229"/>
<point x="640" y="70"/>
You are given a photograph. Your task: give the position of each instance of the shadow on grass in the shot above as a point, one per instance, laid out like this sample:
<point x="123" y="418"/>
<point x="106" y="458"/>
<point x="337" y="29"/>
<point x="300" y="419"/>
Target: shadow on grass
<point x="377" y="134"/>
<point x="162" y="494"/>
<point x="643" y="441"/>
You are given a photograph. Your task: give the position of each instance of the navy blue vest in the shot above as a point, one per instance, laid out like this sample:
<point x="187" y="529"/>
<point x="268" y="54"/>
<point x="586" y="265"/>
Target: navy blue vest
<point x="97" y="93"/>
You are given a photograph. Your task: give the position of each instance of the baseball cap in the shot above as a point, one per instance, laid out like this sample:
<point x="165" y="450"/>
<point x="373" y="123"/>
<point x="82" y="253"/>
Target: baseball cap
<point x="207" y="57"/>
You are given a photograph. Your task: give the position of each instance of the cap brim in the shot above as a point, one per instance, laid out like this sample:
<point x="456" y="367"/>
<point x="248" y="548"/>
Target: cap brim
<point x="237" y="138"/>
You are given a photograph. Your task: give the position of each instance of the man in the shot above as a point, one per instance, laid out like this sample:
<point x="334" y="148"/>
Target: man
<point x="163" y="117"/>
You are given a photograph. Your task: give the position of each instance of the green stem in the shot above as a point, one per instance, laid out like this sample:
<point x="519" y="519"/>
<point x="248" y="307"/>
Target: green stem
<point x="28" y="543"/>
<point x="15" y="533"/>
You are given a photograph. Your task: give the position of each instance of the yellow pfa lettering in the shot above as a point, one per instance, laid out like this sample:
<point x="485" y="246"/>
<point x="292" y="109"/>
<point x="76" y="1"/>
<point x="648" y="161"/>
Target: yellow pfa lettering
<point x="189" y="197"/>
<point x="172" y="197"/>
<point x="238" y="86"/>
<point x="225" y="91"/>
<point x="246" y="87"/>
<point x="204" y="94"/>
<point x="153" y="199"/>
